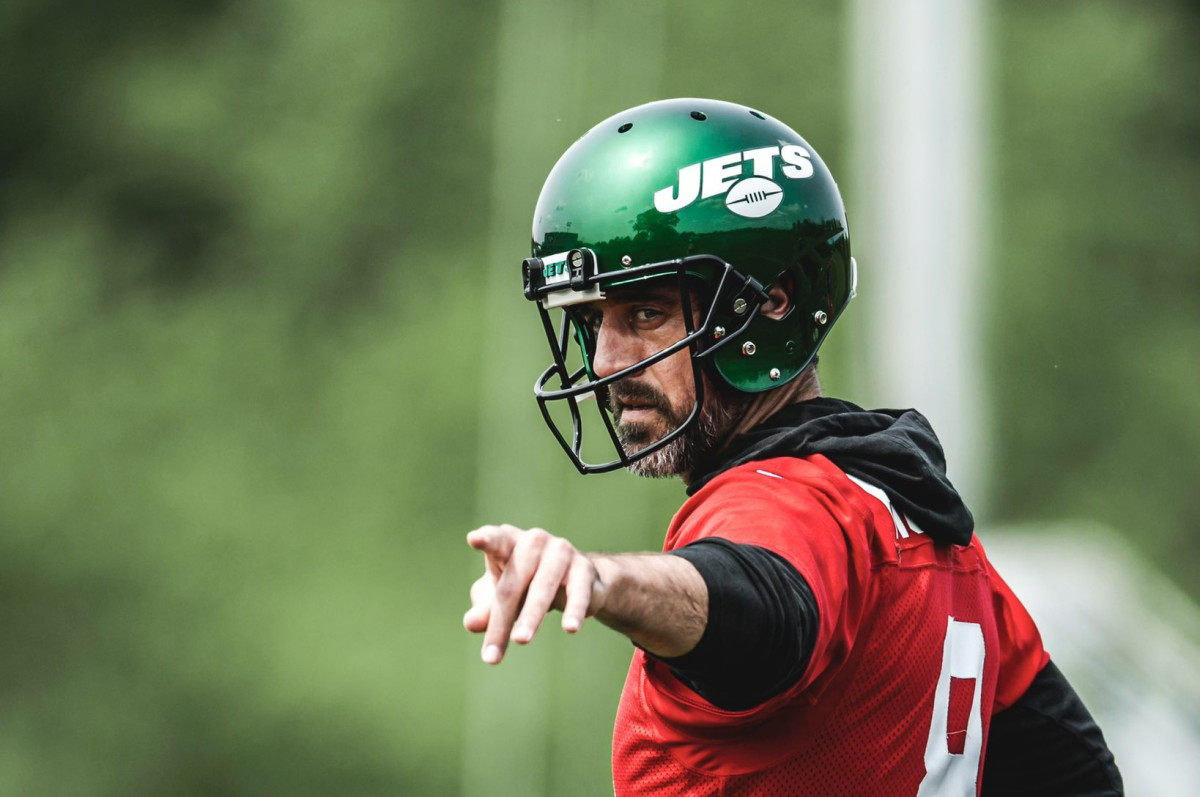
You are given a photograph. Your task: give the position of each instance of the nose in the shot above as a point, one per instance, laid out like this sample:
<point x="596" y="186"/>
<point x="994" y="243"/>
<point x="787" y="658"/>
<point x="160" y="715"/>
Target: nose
<point x="615" y="351"/>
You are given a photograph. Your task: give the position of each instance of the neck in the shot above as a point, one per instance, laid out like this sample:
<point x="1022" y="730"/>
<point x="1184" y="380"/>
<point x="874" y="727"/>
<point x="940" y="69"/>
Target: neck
<point x="763" y="405"/>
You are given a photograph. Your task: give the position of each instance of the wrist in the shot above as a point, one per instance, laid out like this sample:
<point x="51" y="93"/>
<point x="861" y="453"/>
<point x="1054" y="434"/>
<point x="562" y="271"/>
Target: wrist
<point x="608" y="580"/>
<point x="660" y="602"/>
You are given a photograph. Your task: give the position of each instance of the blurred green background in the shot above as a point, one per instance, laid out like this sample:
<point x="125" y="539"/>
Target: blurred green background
<point x="264" y="359"/>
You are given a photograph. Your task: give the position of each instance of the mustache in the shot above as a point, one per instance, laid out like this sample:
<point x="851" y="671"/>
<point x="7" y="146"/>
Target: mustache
<point x="626" y="392"/>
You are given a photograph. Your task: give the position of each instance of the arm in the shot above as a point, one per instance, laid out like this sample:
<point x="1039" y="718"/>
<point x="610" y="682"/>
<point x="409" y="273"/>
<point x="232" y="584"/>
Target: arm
<point x="762" y="625"/>
<point x="659" y="601"/>
<point x="1047" y="744"/>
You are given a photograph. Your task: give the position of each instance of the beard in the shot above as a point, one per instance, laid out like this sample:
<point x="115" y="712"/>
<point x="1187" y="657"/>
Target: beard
<point x="719" y="412"/>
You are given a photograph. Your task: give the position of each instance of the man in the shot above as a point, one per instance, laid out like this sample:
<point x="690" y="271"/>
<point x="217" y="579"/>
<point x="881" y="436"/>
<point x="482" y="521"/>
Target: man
<point x="822" y="620"/>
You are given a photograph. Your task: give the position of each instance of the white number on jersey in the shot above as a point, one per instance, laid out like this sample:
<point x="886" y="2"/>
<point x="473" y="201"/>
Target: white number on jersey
<point x="955" y="773"/>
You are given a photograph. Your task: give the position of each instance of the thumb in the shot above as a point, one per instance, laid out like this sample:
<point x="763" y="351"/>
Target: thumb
<point x="483" y="591"/>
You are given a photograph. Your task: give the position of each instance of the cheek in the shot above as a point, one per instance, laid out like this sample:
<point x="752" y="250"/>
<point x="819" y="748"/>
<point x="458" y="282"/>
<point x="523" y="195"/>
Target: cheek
<point x="676" y="380"/>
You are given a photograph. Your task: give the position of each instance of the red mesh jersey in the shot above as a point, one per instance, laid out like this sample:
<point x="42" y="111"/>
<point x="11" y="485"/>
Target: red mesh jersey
<point x="918" y="646"/>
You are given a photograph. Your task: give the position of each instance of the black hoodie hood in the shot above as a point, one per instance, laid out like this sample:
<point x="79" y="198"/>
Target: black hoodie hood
<point x="895" y="450"/>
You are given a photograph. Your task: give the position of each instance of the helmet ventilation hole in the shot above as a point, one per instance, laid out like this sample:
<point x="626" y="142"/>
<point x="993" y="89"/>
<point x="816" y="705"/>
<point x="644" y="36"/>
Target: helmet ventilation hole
<point x="625" y="128"/>
<point x="699" y="116"/>
<point x="757" y="114"/>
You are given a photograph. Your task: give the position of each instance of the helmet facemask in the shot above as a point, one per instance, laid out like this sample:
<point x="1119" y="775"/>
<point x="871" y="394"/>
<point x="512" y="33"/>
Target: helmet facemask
<point x="564" y="388"/>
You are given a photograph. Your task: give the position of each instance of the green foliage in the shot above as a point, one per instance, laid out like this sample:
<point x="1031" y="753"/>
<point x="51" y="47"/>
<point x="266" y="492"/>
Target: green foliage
<point x="234" y="452"/>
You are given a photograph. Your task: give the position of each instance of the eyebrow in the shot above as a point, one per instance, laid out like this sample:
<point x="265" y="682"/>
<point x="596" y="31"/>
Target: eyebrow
<point x="631" y="293"/>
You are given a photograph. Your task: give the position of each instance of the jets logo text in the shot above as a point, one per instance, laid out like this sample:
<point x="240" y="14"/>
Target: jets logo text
<point x="717" y="176"/>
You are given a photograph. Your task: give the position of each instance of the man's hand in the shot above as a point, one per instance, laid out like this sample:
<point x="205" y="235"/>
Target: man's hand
<point x="657" y="600"/>
<point x="528" y="572"/>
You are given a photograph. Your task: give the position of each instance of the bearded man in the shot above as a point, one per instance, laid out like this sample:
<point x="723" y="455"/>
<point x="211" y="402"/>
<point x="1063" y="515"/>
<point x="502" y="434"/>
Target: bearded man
<point x="822" y="618"/>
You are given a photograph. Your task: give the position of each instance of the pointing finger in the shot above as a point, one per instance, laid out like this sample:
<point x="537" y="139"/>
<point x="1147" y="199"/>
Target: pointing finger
<point x="496" y="543"/>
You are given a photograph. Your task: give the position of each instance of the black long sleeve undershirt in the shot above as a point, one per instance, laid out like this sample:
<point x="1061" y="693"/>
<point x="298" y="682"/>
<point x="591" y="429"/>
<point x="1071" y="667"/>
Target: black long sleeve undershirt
<point x="1047" y="745"/>
<point x="762" y="625"/>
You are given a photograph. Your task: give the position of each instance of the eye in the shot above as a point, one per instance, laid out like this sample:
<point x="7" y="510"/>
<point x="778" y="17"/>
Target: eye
<point x="591" y="320"/>
<point x="646" y="315"/>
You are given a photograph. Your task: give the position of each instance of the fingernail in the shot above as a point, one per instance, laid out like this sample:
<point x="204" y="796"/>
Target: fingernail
<point x="570" y="625"/>
<point x="522" y="634"/>
<point x="491" y="654"/>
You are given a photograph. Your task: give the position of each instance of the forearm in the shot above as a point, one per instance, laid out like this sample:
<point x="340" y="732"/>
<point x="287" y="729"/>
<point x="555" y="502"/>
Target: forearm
<point x="1048" y="743"/>
<point x="735" y="622"/>
<point x="659" y="601"/>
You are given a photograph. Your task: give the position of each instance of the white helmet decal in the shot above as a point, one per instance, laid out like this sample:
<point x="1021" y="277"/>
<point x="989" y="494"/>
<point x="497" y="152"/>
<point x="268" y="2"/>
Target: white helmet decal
<point x="753" y="197"/>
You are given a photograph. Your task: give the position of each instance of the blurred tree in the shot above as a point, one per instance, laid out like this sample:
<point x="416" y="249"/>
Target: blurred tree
<point x="232" y="259"/>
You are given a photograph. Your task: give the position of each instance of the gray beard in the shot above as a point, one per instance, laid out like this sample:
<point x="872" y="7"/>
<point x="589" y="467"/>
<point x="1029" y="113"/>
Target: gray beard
<point x="680" y="456"/>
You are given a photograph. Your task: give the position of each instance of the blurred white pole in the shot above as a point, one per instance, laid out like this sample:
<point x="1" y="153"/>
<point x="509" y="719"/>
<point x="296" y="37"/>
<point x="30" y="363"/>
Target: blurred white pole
<point x="918" y="216"/>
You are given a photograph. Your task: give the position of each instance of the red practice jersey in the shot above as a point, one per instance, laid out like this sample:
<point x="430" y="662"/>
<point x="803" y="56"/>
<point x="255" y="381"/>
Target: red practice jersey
<point x="918" y="645"/>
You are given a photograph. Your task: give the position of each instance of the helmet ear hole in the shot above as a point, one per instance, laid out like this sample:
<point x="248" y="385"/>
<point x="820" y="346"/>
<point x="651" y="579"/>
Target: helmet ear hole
<point x="779" y="297"/>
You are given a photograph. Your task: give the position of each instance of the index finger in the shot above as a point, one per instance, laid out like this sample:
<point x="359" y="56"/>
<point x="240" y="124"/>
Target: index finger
<point x="494" y="542"/>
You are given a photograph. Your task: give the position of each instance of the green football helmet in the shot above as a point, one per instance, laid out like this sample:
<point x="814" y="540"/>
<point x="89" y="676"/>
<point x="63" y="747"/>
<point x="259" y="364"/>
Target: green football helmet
<point x="711" y="194"/>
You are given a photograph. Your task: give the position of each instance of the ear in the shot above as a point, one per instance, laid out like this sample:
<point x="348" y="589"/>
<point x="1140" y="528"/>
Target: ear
<point x="779" y="297"/>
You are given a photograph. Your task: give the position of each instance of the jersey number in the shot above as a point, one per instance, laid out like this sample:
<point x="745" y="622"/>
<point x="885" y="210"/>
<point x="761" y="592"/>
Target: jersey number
<point x="953" y="750"/>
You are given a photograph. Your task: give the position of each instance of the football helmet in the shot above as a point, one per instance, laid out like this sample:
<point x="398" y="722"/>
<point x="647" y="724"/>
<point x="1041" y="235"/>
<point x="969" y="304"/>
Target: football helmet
<point x="723" y="199"/>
